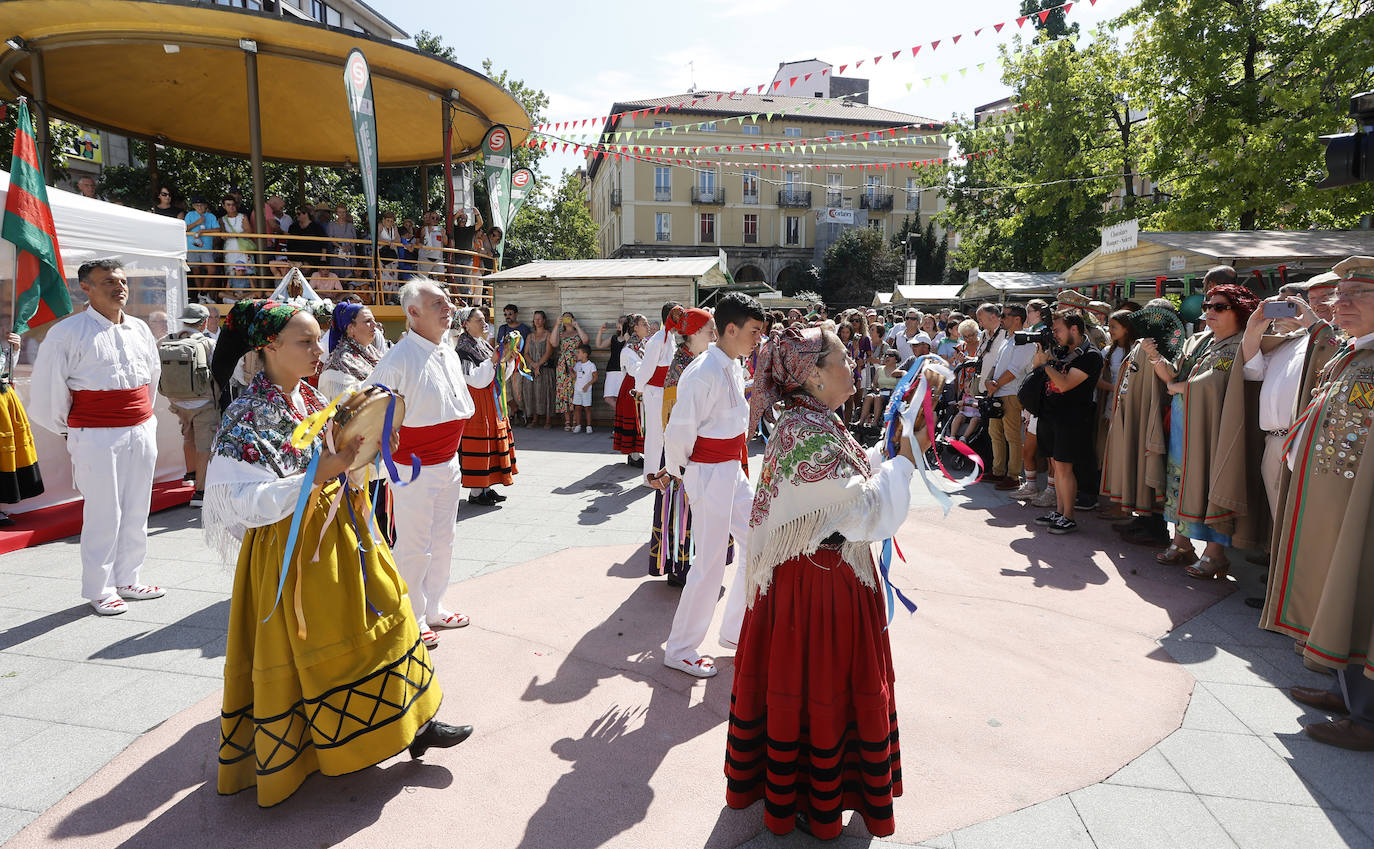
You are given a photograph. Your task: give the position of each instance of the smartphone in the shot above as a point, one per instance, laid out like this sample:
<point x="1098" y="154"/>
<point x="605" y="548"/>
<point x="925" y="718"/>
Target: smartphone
<point x="1280" y="309"/>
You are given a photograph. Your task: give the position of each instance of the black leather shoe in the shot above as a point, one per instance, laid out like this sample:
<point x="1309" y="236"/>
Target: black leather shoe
<point x="496" y="496"/>
<point x="5" y="519"/>
<point x="638" y="464"/>
<point x="439" y="735"/>
<point x="486" y="499"/>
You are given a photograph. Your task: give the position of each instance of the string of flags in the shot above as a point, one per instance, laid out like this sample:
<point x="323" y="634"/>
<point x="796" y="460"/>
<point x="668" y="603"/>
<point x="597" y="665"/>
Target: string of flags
<point x="605" y="121"/>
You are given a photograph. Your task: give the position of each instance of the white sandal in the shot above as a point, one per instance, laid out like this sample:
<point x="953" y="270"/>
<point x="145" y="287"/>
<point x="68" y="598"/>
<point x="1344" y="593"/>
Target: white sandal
<point x="429" y="638"/>
<point x="110" y="606"/>
<point x="451" y="620"/>
<point x="140" y="592"/>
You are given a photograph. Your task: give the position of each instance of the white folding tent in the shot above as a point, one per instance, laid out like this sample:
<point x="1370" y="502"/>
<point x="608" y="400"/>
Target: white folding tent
<point x="153" y="251"/>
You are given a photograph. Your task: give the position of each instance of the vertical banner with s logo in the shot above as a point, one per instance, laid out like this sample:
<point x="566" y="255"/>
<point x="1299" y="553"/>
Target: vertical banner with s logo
<point x="521" y="184"/>
<point x="358" y="85"/>
<point x="496" y="169"/>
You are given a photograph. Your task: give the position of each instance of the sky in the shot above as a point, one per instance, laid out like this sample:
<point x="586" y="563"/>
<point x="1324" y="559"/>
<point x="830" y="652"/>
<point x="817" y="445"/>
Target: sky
<point x="587" y="56"/>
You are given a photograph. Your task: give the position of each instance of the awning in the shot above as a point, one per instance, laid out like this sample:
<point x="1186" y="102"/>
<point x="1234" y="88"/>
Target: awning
<point x="174" y="71"/>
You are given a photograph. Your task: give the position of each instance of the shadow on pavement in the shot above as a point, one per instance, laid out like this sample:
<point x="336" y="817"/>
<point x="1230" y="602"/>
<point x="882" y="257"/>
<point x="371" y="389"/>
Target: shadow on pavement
<point x="199" y="630"/>
<point x="23" y="632"/>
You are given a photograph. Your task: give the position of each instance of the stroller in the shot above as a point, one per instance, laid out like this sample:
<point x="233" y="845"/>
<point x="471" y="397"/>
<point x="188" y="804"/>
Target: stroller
<point x="965" y="378"/>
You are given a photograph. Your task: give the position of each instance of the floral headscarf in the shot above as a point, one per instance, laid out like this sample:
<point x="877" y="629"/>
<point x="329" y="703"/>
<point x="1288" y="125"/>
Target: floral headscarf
<point x="259" y="321"/>
<point x="786" y="360"/>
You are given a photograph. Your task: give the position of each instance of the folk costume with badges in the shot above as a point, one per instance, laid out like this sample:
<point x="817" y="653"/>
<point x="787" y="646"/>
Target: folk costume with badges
<point x="813" y="722"/>
<point x="438" y="408"/>
<point x="704" y="445"/>
<point x="324" y="669"/>
<point x="93" y="382"/>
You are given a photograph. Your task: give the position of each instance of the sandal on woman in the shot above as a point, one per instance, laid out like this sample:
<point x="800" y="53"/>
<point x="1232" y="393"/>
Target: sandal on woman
<point x="567" y="428"/>
<point x="1208" y="569"/>
<point x="1175" y="555"/>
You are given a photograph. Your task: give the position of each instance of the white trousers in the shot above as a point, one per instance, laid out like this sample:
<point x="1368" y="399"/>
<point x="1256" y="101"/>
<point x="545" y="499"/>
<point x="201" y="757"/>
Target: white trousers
<point x="719" y="497"/>
<point x="112" y="468"/>
<point x="425" y="513"/>
<point x="653" y="429"/>
<point x="1271" y="468"/>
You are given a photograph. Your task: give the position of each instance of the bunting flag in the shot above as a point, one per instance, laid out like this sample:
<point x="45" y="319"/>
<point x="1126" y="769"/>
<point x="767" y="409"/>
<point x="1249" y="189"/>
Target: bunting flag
<point x="40" y="284"/>
<point x="608" y="120"/>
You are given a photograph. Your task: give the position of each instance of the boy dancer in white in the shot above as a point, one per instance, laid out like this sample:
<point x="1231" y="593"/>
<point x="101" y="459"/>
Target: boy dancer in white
<point x="653" y="368"/>
<point x="705" y="444"/>
<point x="425" y="369"/>
<point x="93" y="381"/>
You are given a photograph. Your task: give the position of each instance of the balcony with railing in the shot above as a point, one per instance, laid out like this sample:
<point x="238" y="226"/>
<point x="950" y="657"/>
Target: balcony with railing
<point x="913" y="201"/>
<point x="708" y="195"/>
<point x="794" y="198"/>
<point x="879" y="201"/>
<point x="750" y="198"/>
<point x="834" y="198"/>
<point x="663" y="194"/>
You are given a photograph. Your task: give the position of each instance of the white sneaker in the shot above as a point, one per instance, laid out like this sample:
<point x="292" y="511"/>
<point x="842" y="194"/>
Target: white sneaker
<point x="577" y="429"/>
<point x="1046" y="498"/>
<point x="1026" y="491"/>
<point x="589" y="429"/>
<point x="445" y="619"/>
<point x="700" y="668"/>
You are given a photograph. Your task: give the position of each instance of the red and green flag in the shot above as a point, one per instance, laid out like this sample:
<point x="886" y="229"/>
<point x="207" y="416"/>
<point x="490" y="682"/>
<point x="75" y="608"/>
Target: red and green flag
<point x="40" y="285"/>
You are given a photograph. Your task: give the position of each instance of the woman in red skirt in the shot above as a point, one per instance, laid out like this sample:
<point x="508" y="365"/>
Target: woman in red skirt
<point x="629" y="431"/>
<point x="813" y="724"/>
<point x="487" y="451"/>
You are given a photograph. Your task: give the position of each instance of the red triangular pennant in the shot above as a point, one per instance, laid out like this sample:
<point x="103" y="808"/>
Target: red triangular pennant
<point x="934" y="44"/>
<point x="791" y="82"/>
<point x="1044" y="16"/>
<point x="915" y="50"/>
<point x="957" y="37"/>
<point x="998" y="27"/>
<point x="1067" y="7"/>
<point x="842" y="67"/>
<point x="776" y="83"/>
<point x="877" y="59"/>
<point x="896" y="53"/>
<point x="824" y="71"/>
<point x="975" y="32"/>
<point x="1021" y="21"/>
<point x="805" y="78"/>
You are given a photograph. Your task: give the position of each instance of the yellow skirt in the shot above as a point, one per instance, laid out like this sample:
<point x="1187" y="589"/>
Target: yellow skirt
<point x="336" y="679"/>
<point x="19" y="476"/>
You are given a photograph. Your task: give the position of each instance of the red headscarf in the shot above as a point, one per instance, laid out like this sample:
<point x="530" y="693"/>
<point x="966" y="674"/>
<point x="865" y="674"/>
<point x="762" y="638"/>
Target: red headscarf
<point x="688" y="321"/>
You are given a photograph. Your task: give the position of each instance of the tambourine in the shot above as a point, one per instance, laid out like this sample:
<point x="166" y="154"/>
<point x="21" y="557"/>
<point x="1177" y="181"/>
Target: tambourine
<point x="364" y="414"/>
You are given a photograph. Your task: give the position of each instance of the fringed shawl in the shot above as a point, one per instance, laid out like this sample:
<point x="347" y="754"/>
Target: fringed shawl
<point x="813" y="479"/>
<point x="356" y="361"/>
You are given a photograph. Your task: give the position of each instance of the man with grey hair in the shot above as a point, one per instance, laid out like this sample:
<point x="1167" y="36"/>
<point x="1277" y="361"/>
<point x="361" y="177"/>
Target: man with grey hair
<point x="85" y="184"/>
<point x="93" y="383"/>
<point x="1218" y="275"/>
<point x="425" y="368"/>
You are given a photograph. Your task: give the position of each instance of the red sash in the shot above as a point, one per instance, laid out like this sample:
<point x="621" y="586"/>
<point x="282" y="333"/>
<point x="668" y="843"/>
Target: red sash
<point x="658" y="377"/>
<point x="708" y="450"/>
<point x="111" y="407"/>
<point x="433" y="444"/>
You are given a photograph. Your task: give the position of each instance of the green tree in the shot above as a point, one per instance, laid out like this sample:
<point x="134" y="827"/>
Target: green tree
<point x="554" y="224"/>
<point x="1238" y="92"/>
<point x="858" y="264"/>
<point x="928" y="248"/>
<point x="61" y="137"/>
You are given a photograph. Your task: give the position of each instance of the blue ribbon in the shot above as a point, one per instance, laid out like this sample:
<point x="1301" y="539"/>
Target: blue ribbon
<point x="885" y="569"/>
<point x="362" y="558"/>
<point x="307" y="486"/>
<point x="386" y="444"/>
<point x="890" y="445"/>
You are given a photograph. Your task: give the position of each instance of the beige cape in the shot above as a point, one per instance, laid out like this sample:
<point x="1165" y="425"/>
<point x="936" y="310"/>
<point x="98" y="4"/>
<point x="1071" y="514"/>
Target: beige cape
<point x="1134" y="459"/>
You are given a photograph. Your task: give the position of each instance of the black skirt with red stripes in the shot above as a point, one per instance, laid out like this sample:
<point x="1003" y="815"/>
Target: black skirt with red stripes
<point x="813" y="723"/>
<point x="628" y="438"/>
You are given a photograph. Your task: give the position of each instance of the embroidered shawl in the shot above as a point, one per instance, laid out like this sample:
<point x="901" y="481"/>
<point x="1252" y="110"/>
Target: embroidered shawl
<point x="473" y="351"/>
<point x="356" y="361"/>
<point x="813" y="478"/>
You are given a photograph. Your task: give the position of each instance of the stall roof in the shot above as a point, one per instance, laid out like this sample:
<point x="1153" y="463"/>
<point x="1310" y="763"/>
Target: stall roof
<point x="174" y="70"/>
<point x="997" y="283"/>
<point x="705" y="267"/>
<point x="928" y="293"/>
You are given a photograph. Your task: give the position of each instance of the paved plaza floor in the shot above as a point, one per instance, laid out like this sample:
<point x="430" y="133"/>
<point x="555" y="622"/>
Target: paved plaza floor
<point x="1052" y="692"/>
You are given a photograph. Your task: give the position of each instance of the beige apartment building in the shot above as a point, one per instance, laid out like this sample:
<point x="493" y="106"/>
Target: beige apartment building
<point x="773" y="212"/>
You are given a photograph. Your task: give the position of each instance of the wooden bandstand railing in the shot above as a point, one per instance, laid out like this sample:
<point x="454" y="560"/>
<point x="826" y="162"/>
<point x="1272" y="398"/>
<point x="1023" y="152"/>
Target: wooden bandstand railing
<point x="375" y="282"/>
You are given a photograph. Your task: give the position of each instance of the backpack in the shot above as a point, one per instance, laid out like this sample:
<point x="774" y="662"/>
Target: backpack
<point x="186" y="368"/>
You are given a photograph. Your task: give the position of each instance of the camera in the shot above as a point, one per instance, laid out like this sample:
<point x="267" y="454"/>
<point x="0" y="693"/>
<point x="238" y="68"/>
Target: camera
<point x="1043" y="337"/>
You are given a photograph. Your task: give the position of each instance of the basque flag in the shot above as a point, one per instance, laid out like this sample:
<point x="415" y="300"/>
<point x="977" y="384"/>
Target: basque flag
<point x="40" y="285"/>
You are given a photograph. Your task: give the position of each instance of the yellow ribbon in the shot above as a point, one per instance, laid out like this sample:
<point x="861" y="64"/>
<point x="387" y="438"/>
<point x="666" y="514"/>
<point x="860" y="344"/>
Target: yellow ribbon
<point x="311" y="425"/>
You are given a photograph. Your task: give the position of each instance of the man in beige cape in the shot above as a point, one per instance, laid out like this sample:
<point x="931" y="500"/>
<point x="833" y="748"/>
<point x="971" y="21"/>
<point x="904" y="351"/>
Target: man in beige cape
<point x="1321" y="583"/>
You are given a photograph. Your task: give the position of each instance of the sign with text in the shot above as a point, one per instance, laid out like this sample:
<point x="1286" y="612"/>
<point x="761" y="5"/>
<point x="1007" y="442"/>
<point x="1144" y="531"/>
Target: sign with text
<point x="358" y="87"/>
<point x="1121" y="237"/>
<point x="1178" y="262"/>
<point x="833" y="215"/>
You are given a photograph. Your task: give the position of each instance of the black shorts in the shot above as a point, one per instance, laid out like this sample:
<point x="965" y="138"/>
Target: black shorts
<point x="1065" y="436"/>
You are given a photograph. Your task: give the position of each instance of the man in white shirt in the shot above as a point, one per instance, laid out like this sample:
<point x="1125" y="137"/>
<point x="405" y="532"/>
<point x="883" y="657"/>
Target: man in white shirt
<point x="900" y="335"/>
<point x="989" y="318"/>
<point x="93" y="383"/>
<point x="1281" y="372"/>
<point x="191" y="397"/>
<point x="424" y="368"/>
<point x="1009" y="370"/>
<point x="649" y="377"/>
<point x="705" y="444"/>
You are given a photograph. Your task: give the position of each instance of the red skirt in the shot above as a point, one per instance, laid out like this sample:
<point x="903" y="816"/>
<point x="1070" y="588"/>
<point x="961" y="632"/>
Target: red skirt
<point x="813" y="724"/>
<point x="628" y="438"/>
<point x="487" y="452"/>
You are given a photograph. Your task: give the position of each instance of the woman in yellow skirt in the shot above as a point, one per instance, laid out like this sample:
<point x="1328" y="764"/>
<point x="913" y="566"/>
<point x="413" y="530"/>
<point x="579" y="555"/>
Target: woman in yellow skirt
<point x="19" y="476"/>
<point x="324" y="669"/>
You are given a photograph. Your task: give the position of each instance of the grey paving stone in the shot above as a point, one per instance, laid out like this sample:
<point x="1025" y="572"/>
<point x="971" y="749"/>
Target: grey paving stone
<point x="114" y="698"/>
<point x="1264" y="710"/>
<point x="1266" y="825"/>
<point x="45" y="767"/>
<point x="1150" y="770"/>
<point x="182" y="606"/>
<point x="1053" y="824"/>
<point x="1235" y="766"/>
<point x="1290" y="671"/>
<point x="1344" y="777"/>
<point x="13" y="820"/>
<point x="1138" y="818"/>
<point x="16" y="729"/>
<point x="19" y="672"/>
<point x="1208" y="661"/>
<point x="1206" y="713"/>
<point x="1243" y="628"/>
<point x="944" y="841"/>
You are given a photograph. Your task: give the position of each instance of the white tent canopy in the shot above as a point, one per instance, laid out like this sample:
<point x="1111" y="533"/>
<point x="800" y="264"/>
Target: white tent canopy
<point x="1000" y="284"/>
<point x="153" y="250"/>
